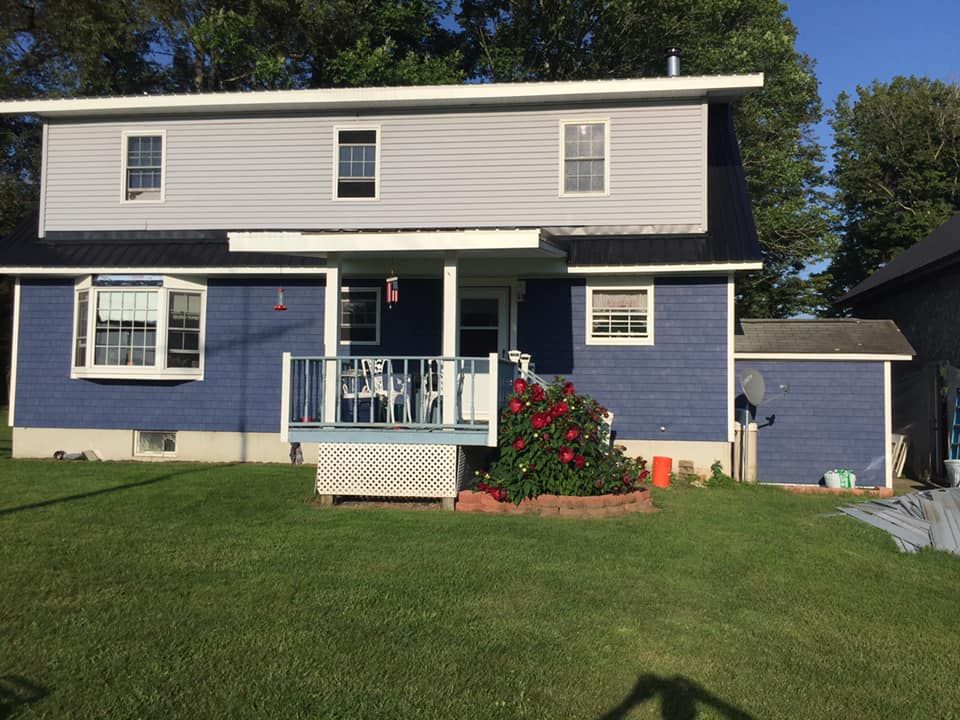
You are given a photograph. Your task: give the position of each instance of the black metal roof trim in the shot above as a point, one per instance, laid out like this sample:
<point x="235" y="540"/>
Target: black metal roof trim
<point x="103" y="237"/>
<point x="847" y="336"/>
<point x="942" y="247"/>
<point x="22" y="248"/>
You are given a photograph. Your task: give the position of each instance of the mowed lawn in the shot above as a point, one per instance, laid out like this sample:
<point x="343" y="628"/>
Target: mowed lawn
<point x="186" y="591"/>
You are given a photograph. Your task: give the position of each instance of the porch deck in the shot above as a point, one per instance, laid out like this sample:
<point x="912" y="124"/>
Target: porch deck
<point x="435" y="400"/>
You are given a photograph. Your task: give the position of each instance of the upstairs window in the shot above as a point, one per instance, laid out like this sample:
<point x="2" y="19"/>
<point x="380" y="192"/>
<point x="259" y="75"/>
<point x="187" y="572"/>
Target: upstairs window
<point x="619" y="314"/>
<point x="357" y="164"/>
<point x="585" y="150"/>
<point x="143" y="170"/>
<point x="360" y="316"/>
<point x="138" y="326"/>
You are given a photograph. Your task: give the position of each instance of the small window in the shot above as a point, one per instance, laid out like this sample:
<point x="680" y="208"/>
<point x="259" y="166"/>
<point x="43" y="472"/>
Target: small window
<point x="357" y="164"/>
<point x="151" y="442"/>
<point x="584" y="152"/>
<point x="360" y="316"/>
<point x="620" y="314"/>
<point x="143" y="167"/>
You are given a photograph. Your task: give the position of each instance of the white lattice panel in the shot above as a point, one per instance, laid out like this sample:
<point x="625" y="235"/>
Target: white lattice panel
<point x="385" y="470"/>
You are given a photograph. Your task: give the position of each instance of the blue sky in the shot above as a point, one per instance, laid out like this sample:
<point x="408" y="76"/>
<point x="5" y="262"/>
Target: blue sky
<point x="857" y="41"/>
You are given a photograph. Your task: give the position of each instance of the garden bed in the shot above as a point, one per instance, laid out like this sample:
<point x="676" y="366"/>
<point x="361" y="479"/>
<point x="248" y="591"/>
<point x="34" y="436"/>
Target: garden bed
<point x="590" y="506"/>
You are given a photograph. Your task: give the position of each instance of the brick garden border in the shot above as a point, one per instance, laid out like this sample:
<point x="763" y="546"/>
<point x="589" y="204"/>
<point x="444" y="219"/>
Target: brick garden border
<point x="594" y="506"/>
<point x="882" y="492"/>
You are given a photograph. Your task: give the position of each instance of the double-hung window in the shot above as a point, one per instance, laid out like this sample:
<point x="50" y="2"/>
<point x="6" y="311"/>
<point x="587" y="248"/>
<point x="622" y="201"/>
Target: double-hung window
<point x="585" y="148"/>
<point x="138" y="326"/>
<point x="357" y="164"/>
<point x="143" y="166"/>
<point x="360" y="316"/>
<point x="619" y="313"/>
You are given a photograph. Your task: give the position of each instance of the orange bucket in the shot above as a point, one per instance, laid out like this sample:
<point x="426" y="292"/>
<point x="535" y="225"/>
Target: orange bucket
<point x="661" y="471"/>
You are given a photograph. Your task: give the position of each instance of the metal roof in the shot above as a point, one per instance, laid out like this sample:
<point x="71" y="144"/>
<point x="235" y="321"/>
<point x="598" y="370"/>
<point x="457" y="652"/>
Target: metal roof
<point x="712" y="87"/>
<point x="846" y="336"/>
<point x="934" y="252"/>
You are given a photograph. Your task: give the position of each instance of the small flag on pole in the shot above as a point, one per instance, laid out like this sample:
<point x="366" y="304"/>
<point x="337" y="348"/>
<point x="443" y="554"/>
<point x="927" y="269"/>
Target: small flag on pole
<point x="393" y="291"/>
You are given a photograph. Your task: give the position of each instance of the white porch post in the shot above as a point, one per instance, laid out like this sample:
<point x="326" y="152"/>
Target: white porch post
<point x="331" y="338"/>
<point x="451" y="320"/>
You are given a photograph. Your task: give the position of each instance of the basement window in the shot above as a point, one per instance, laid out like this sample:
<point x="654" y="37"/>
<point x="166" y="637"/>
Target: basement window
<point x="156" y="443"/>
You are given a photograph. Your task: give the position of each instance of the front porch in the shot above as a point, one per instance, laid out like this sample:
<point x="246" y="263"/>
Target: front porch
<point x="434" y="400"/>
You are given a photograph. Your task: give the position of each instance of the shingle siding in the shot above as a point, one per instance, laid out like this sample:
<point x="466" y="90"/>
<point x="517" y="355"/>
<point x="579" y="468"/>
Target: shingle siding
<point x="831" y="417"/>
<point x="480" y="168"/>
<point x="241" y="388"/>
<point x="679" y="383"/>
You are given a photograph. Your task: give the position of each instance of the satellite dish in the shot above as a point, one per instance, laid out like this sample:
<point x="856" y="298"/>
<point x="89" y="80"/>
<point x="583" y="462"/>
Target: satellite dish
<point x="752" y="385"/>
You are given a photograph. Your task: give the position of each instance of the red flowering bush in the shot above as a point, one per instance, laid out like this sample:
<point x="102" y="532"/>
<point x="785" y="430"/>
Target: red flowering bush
<point x="554" y="440"/>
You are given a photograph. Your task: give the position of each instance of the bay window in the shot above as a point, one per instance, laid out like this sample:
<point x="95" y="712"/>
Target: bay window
<point x="138" y="326"/>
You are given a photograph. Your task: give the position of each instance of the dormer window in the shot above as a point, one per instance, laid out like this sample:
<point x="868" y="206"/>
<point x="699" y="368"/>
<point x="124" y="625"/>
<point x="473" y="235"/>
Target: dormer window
<point x="357" y="164"/>
<point x="585" y="151"/>
<point x="143" y="170"/>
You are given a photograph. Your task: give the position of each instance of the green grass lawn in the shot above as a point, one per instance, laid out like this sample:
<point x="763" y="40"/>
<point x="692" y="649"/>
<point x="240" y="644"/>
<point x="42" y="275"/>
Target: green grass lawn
<point x="185" y="591"/>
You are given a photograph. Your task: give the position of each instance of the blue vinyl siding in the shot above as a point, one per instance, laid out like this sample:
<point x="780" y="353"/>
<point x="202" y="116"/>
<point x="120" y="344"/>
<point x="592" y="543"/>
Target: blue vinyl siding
<point x="412" y="326"/>
<point x="679" y="383"/>
<point x="241" y="390"/>
<point x="831" y="417"/>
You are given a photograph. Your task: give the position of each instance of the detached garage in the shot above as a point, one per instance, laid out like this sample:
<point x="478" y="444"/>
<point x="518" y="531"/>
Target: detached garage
<point x="827" y="402"/>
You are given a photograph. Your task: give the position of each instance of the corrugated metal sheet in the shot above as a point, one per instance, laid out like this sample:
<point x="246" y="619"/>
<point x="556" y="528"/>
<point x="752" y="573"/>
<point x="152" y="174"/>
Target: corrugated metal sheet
<point x="930" y="518"/>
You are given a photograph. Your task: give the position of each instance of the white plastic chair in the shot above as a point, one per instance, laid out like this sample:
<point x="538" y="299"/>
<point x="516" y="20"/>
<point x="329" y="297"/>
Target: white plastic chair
<point x="390" y="388"/>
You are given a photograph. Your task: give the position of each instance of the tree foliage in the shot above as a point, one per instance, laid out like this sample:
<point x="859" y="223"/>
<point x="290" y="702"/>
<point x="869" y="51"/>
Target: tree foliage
<point x="896" y="172"/>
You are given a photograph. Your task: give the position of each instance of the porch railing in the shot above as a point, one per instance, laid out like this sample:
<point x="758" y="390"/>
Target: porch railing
<point x="417" y="393"/>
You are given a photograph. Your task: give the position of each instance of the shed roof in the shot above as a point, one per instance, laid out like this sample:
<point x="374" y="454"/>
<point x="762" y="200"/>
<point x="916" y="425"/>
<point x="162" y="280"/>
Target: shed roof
<point x="821" y="338"/>
<point x="937" y="250"/>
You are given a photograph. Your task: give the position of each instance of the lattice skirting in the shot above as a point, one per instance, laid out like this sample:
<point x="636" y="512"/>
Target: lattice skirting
<point x="384" y="470"/>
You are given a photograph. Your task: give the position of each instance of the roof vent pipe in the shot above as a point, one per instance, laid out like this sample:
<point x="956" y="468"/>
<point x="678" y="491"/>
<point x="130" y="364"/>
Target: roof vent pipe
<point x="673" y="61"/>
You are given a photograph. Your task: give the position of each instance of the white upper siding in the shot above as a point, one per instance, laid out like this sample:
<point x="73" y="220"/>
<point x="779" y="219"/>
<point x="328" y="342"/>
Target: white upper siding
<point x="442" y="169"/>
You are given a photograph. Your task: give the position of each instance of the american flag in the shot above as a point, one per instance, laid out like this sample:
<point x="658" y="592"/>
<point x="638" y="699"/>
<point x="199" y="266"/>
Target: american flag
<point x="393" y="290"/>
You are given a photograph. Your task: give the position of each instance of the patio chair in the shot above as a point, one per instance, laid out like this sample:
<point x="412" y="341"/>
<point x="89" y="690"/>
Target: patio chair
<point x="390" y="388"/>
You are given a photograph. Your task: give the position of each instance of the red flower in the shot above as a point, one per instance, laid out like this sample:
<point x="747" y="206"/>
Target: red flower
<point x="572" y="434"/>
<point x="579" y="461"/>
<point x="519" y="444"/>
<point x="561" y="408"/>
<point x="569" y="389"/>
<point x="519" y="385"/>
<point x="546" y="437"/>
<point x="566" y="454"/>
<point x="536" y="392"/>
<point x="515" y="406"/>
<point x="539" y="420"/>
<point x="626" y="480"/>
<point x="644" y="474"/>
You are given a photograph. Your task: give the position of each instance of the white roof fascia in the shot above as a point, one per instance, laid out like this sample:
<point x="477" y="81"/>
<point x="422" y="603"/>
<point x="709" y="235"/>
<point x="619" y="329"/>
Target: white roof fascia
<point x="40" y="271"/>
<point x="663" y="268"/>
<point x="383" y="98"/>
<point x="871" y="357"/>
<point x="365" y="242"/>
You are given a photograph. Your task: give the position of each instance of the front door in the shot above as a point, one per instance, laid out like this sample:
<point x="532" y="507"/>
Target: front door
<point x="484" y="323"/>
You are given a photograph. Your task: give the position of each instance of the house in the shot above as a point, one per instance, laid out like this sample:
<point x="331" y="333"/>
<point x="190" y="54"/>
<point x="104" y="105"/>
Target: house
<point x="595" y="226"/>
<point x="828" y="397"/>
<point x="919" y="289"/>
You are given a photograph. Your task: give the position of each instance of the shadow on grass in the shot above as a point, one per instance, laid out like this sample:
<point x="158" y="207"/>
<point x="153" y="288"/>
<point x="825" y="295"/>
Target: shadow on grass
<point x="15" y="692"/>
<point x="679" y="699"/>
<point x="102" y="491"/>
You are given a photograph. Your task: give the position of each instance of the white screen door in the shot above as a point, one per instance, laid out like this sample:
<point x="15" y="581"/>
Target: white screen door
<point x="484" y="324"/>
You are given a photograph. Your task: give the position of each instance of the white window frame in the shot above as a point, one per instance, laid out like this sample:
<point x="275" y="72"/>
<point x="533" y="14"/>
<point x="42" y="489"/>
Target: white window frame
<point x="159" y="371"/>
<point x="336" y="163"/>
<point x="606" y="158"/>
<point x="163" y="453"/>
<point x="362" y="288"/>
<point x="635" y="283"/>
<point x="143" y="132"/>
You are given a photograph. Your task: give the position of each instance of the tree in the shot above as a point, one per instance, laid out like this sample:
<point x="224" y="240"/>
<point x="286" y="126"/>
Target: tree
<point x="896" y="172"/>
<point x="584" y="39"/>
